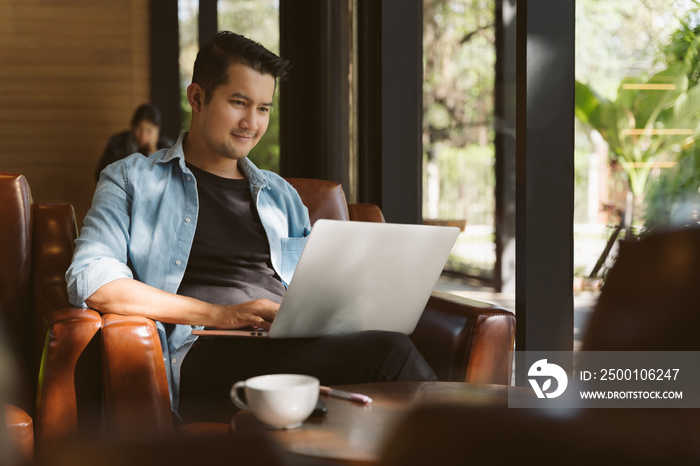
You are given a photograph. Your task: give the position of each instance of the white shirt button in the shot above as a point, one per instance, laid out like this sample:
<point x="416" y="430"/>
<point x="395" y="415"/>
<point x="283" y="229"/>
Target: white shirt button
<point x="174" y="360"/>
<point x="177" y="262"/>
<point x="189" y="178"/>
<point x="188" y="220"/>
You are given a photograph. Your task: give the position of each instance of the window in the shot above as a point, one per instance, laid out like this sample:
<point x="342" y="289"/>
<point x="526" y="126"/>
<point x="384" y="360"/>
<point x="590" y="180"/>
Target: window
<point x="637" y="108"/>
<point x="256" y="19"/>
<point x="458" y="136"/>
<point x="188" y="10"/>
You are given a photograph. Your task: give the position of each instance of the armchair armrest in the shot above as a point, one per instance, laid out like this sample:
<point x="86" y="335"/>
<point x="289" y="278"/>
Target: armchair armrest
<point x="68" y="366"/>
<point x="466" y="340"/>
<point x="137" y="399"/>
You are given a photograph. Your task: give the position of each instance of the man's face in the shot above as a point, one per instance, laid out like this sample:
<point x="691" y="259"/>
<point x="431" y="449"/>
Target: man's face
<point x="238" y="113"/>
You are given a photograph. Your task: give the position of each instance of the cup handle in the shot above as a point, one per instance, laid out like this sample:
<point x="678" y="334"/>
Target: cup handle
<point x="237" y="399"/>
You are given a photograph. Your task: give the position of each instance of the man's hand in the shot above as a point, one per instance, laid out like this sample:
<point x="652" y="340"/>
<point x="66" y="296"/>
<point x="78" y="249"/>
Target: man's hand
<point x="259" y="314"/>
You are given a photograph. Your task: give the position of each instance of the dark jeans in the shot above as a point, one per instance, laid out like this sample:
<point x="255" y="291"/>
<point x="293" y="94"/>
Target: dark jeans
<point x="214" y="364"/>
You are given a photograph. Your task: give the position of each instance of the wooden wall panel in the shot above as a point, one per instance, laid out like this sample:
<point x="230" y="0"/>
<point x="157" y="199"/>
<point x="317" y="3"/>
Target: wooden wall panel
<point x="71" y="74"/>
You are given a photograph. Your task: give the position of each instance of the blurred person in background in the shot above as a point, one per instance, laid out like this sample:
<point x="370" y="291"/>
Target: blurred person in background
<point x="144" y="137"/>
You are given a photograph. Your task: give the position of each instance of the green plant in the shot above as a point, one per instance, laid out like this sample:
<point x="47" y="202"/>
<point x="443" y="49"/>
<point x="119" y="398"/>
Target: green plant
<point x="684" y="45"/>
<point x="674" y="199"/>
<point x="647" y="122"/>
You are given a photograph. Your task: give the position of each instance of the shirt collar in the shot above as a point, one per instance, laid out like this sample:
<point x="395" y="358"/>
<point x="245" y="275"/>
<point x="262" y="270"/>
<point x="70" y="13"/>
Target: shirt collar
<point x="175" y="152"/>
<point x="252" y="173"/>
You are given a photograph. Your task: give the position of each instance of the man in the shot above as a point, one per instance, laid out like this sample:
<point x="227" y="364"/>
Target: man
<point x="198" y="236"/>
<point x="143" y="136"/>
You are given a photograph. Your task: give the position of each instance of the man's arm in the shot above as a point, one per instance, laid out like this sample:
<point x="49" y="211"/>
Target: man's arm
<point x="127" y="296"/>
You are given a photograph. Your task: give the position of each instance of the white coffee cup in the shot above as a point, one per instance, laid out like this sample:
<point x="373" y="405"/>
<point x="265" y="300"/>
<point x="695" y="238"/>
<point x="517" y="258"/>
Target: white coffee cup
<point x="282" y="401"/>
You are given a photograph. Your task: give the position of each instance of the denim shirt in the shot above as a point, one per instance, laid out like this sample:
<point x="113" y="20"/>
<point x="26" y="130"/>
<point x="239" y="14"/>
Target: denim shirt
<point x="142" y="223"/>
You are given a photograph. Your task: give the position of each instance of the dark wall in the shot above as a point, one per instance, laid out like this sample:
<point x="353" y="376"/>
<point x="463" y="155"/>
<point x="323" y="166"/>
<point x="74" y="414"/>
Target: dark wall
<point x="545" y="175"/>
<point x="165" y="68"/>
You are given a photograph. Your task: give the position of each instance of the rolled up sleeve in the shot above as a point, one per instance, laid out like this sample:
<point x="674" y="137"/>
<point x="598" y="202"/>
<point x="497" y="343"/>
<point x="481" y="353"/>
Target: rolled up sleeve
<point x="101" y="250"/>
<point x="83" y="284"/>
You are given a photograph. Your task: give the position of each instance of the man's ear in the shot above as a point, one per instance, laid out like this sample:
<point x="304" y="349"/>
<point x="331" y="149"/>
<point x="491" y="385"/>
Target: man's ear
<point x="195" y="96"/>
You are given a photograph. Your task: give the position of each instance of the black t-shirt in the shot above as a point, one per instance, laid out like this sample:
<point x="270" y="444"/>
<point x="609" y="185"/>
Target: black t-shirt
<point x="230" y="258"/>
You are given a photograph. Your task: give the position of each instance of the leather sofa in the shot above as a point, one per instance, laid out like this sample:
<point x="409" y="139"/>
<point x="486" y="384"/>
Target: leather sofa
<point x="463" y="340"/>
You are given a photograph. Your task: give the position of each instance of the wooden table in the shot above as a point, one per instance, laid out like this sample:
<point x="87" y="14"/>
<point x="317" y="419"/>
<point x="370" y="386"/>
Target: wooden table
<point x="352" y="433"/>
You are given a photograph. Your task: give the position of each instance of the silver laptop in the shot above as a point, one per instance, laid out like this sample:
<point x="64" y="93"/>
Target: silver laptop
<point x="355" y="276"/>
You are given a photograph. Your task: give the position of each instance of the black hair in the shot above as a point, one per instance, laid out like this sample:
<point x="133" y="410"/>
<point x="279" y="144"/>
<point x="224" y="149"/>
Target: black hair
<point x="213" y="60"/>
<point x="148" y="112"/>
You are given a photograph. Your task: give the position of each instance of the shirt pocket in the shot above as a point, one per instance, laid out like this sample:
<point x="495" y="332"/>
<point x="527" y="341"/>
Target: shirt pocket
<point x="291" y="252"/>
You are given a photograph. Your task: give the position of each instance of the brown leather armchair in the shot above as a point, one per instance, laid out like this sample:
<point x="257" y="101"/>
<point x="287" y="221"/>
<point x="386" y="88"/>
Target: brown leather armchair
<point x="56" y="392"/>
<point x="462" y="339"/>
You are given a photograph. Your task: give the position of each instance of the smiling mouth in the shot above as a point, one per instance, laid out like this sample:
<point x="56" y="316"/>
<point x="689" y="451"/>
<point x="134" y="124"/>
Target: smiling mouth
<point x="246" y="136"/>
